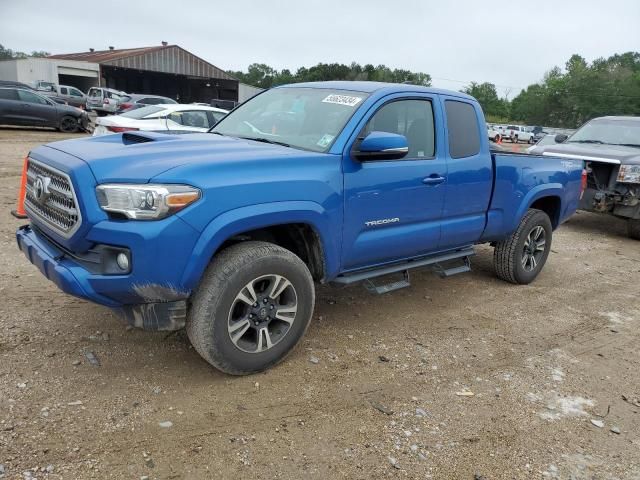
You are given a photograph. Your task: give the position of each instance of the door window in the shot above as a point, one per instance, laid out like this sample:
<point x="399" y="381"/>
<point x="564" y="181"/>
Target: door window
<point x="75" y="93"/>
<point x="64" y="91"/>
<point x="31" y="97"/>
<point x="411" y="118"/>
<point x="462" y="123"/>
<point x="8" y="94"/>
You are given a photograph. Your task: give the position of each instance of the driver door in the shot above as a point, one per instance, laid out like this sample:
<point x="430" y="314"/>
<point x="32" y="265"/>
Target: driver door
<point x="393" y="208"/>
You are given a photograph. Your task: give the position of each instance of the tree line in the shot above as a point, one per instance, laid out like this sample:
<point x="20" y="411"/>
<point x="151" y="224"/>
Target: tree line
<point x="565" y="97"/>
<point x="264" y="76"/>
<point x="8" y="54"/>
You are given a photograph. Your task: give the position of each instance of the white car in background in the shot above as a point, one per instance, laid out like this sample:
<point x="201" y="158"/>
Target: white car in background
<point x="517" y="133"/>
<point x="161" y="118"/>
<point x="493" y="133"/>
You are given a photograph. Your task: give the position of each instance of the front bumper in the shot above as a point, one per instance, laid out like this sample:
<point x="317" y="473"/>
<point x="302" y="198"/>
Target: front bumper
<point x="623" y="202"/>
<point x="83" y="121"/>
<point x="155" y="306"/>
<point x="51" y="261"/>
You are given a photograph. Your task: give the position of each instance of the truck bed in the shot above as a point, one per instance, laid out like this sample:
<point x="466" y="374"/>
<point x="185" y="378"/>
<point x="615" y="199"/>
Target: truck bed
<point x="520" y="179"/>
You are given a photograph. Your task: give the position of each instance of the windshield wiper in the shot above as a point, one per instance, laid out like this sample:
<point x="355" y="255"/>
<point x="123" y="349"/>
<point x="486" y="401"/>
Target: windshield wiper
<point x="600" y="142"/>
<point x="266" y="140"/>
<point x="216" y="133"/>
<point x="637" y="145"/>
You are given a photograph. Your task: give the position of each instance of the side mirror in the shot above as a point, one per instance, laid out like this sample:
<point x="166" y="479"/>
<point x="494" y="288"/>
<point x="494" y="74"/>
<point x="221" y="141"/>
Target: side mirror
<point x="382" y="146"/>
<point x="561" y="138"/>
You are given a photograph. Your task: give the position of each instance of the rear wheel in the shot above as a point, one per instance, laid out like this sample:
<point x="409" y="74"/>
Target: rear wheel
<point x="252" y="307"/>
<point x="530" y="140"/>
<point x="520" y="258"/>
<point x="496" y="138"/>
<point x="68" y="124"/>
<point x="633" y="229"/>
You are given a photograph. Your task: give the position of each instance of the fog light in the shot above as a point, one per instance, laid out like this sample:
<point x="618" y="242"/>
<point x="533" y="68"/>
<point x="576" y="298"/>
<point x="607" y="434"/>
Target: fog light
<point x="123" y="261"/>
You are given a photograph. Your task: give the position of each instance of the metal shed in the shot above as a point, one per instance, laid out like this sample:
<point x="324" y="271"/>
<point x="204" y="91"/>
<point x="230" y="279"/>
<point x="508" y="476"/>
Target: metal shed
<point x="167" y="70"/>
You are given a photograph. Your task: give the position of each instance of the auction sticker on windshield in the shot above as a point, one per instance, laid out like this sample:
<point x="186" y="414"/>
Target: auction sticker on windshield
<point x="343" y="100"/>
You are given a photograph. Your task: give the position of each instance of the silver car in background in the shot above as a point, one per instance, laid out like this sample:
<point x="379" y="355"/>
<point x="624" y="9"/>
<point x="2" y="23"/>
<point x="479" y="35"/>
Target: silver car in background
<point x="104" y="100"/>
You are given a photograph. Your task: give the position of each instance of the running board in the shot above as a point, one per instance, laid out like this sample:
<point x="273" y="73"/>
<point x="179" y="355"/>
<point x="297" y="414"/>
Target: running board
<point x="447" y="272"/>
<point x="434" y="261"/>
<point x="388" y="287"/>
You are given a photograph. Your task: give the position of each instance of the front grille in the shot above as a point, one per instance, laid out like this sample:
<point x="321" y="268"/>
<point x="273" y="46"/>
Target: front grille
<point x="50" y="198"/>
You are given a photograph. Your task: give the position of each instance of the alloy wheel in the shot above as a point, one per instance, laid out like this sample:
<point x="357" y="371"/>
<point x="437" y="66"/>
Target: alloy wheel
<point x="262" y="313"/>
<point x="534" y="248"/>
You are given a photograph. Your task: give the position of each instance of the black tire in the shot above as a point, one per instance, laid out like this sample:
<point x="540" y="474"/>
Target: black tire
<point x="530" y="142"/>
<point x="515" y="139"/>
<point x="496" y="139"/>
<point x="633" y="229"/>
<point x="209" y="320"/>
<point x="509" y="255"/>
<point x="68" y="124"/>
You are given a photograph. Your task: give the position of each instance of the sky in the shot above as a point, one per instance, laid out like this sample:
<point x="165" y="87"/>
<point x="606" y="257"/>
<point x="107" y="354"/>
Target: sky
<point x="509" y="43"/>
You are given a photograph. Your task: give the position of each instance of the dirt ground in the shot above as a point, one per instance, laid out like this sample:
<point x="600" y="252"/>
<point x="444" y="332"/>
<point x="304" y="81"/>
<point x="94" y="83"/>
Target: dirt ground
<point x="462" y="378"/>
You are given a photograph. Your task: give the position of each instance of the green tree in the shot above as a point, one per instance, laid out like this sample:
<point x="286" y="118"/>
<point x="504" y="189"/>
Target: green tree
<point x="264" y="76"/>
<point x="569" y="97"/>
<point x="7" y="53"/>
<point x="487" y="96"/>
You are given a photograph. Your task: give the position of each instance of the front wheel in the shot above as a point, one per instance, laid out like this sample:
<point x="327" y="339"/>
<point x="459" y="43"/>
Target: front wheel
<point x="633" y="229"/>
<point x="520" y="258"/>
<point x="515" y="139"/>
<point x="68" y="124"/>
<point x="531" y="142"/>
<point x="253" y="305"/>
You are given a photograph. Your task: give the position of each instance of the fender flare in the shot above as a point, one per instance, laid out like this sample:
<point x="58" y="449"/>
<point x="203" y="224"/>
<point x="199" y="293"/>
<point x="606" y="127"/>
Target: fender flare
<point x="243" y="219"/>
<point x="536" y="193"/>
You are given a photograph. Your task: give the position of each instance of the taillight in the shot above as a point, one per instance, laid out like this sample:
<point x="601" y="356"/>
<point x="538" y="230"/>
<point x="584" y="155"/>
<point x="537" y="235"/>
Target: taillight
<point x="121" y="129"/>
<point x="583" y="183"/>
<point x="124" y="106"/>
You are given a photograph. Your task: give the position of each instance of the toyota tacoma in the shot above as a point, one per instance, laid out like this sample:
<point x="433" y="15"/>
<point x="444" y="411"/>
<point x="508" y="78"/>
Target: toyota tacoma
<point x="333" y="182"/>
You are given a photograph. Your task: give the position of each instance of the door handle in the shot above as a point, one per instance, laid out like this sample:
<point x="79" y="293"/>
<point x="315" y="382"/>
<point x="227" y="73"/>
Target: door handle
<point x="434" y="179"/>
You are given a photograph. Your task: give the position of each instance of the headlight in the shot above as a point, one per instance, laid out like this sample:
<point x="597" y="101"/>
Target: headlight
<point x="145" y="202"/>
<point x="629" y="174"/>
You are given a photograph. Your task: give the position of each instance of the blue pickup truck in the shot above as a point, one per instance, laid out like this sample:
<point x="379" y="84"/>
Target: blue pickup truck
<point x="226" y="232"/>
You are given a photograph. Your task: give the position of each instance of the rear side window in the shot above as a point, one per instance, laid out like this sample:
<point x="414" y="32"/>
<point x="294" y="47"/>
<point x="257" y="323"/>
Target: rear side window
<point x="64" y="91"/>
<point x="192" y="118"/>
<point x="462" y="123"/>
<point x="8" y="94"/>
<point x="217" y="116"/>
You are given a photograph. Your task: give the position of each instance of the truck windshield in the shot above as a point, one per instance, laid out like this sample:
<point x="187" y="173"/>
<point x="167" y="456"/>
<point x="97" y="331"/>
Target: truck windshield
<point x="609" y="131"/>
<point x="299" y="117"/>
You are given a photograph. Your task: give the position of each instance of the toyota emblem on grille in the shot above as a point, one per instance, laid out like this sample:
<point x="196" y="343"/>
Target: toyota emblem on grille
<point x="41" y="189"/>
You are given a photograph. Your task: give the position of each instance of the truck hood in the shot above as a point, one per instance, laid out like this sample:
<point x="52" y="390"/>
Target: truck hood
<point x="137" y="157"/>
<point x="615" y="154"/>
